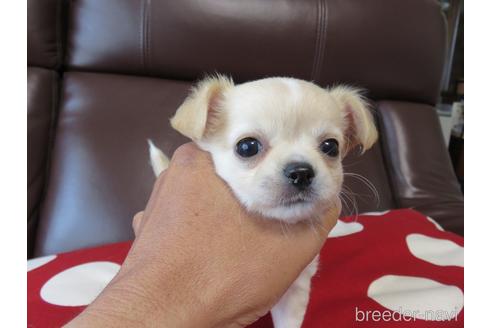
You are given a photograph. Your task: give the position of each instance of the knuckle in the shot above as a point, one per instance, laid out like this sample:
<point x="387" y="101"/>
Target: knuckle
<point x="185" y="151"/>
<point x="188" y="155"/>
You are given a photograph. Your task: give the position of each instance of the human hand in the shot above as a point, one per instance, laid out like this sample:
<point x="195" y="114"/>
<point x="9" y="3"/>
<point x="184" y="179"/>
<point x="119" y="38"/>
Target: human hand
<point x="199" y="259"/>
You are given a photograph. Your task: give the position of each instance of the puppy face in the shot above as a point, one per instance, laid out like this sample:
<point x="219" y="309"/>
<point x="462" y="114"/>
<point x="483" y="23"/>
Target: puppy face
<point x="277" y="142"/>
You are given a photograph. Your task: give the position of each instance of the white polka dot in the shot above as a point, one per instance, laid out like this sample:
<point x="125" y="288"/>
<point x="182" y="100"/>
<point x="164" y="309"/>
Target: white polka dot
<point x="376" y="213"/>
<point x="415" y="297"/>
<point x="344" y="229"/>
<point x="40" y="261"/>
<point x="436" y="251"/>
<point x="438" y="226"/>
<point x="80" y="284"/>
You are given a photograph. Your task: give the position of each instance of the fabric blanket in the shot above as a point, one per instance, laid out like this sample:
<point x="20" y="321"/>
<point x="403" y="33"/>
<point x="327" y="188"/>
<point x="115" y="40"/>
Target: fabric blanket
<point x="388" y="269"/>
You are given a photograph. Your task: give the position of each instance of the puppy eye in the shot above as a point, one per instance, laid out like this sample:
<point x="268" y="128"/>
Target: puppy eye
<point x="248" y="147"/>
<point x="329" y="147"/>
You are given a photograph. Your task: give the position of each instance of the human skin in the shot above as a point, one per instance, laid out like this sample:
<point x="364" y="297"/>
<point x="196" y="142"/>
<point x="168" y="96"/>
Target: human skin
<point x="199" y="259"/>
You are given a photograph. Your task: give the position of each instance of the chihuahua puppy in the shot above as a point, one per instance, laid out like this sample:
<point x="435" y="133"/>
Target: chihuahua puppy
<point x="279" y="145"/>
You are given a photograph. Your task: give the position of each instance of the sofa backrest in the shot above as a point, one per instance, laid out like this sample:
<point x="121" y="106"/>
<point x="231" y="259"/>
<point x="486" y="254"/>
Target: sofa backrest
<point x="103" y="76"/>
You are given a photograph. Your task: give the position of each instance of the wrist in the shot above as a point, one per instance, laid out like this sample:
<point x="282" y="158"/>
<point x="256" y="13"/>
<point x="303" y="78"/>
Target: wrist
<point x="138" y="298"/>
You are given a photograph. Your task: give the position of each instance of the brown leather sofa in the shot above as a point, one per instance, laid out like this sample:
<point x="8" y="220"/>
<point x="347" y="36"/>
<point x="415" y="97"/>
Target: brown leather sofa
<point x="103" y="76"/>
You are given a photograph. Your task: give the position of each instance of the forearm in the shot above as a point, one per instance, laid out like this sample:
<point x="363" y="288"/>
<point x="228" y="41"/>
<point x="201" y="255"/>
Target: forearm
<point x="131" y="301"/>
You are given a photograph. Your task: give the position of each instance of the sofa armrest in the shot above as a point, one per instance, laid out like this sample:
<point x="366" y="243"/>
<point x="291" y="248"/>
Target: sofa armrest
<point x="419" y="166"/>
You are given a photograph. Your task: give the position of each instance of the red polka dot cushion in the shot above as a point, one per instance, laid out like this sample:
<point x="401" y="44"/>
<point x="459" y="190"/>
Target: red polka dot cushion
<point x="388" y="269"/>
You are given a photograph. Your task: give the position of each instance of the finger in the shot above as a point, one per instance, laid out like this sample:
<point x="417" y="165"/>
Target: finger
<point x="136" y="222"/>
<point x="190" y="155"/>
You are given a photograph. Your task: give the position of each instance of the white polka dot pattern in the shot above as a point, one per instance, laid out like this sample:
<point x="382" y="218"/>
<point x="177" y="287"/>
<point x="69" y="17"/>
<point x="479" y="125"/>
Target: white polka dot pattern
<point x="438" y="226"/>
<point x="343" y="229"/>
<point x="436" y="251"/>
<point x="39" y="262"/>
<point x="416" y="297"/>
<point x="80" y="284"/>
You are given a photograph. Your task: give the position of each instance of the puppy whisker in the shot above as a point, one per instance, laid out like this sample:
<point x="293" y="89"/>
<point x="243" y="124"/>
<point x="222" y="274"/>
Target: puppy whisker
<point x="285" y="228"/>
<point x="345" y="204"/>
<point x="367" y="183"/>
<point x="348" y="197"/>
<point x="325" y="231"/>
<point x="313" y="228"/>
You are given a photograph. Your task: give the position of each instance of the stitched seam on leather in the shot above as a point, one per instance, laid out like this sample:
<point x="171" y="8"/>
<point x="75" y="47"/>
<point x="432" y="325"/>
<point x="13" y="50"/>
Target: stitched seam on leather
<point x="63" y="10"/>
<point x="321" y="27"/>
<point x="56" y="95"/>
<point x="147" y="19"/>
<point x="59" y="46"/>
<point x="64" y="16"/>
<point x="38" y="179"/>
<point x="65" y="22"/>
<point x="324" y="29"/>
<point x="316" y="46"/>
<point x="142" y="33"/>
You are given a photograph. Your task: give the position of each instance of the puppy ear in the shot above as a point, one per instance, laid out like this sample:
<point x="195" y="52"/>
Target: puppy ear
<point x="199" y="113"/>
<point x="361" y="129"/>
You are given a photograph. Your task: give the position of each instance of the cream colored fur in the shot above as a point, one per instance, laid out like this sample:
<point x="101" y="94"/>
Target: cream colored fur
<point x="290" y="118"/>
<point x="158" y="160"/>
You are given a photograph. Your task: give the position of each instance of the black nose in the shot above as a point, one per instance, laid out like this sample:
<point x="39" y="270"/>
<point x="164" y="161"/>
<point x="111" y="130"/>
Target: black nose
<point x="300" y="174"/>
